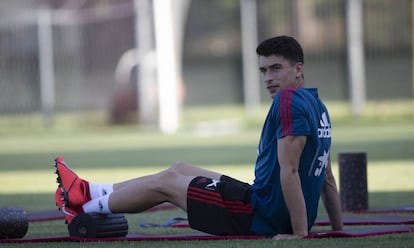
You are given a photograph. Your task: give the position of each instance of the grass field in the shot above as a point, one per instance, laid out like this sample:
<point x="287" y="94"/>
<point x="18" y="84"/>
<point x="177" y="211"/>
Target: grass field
<point x="222" y="139"/>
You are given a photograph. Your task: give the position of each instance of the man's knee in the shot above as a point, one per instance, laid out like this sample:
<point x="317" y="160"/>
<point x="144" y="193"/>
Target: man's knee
<point x="179" y="167"/>
<point x="171" y="175"/>
<point x="173" y="185"/>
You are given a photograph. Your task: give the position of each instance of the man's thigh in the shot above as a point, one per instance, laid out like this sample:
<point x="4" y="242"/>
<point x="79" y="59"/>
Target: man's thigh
<point x="219" y="207"/>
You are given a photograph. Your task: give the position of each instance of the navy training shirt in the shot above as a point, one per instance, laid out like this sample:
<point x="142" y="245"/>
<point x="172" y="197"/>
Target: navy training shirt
<point x="294" y="112"/>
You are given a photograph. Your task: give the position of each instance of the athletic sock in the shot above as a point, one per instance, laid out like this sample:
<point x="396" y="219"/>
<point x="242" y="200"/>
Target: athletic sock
<point x="99" y="189"/>
<point x="98" y="205"/>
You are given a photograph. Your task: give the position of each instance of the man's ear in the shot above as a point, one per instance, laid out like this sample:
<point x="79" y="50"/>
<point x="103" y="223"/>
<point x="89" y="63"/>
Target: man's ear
<point x="299" y="69"/>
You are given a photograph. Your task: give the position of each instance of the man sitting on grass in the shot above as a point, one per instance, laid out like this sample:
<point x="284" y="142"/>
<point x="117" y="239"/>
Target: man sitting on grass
<point x="292" y="171"/>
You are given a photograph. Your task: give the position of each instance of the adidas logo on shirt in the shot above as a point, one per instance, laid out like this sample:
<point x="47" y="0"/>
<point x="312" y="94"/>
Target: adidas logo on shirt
<point x="325" y="129"/>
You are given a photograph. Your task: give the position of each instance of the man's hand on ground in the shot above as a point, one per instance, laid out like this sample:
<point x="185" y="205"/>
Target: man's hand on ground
<point x="287" y="236"/>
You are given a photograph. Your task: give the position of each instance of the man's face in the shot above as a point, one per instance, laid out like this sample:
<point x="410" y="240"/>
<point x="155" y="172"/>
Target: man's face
<point x="277" y="73"/>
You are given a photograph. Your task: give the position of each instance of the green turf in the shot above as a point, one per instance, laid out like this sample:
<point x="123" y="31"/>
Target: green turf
<point x="103" y="153"/>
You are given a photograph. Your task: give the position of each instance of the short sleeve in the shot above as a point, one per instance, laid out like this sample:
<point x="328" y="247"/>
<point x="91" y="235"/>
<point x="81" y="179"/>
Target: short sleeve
<point x="292" y="118"/>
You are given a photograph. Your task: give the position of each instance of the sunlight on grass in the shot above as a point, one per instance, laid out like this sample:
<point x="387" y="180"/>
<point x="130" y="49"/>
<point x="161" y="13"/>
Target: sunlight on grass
<point x="382" y="177"/>
<point x="104" y="141"/>
<point x="387" y="176"/>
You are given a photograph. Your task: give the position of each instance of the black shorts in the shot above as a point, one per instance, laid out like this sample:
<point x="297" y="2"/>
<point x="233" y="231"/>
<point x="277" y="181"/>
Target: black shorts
<point x="219" y="207"/>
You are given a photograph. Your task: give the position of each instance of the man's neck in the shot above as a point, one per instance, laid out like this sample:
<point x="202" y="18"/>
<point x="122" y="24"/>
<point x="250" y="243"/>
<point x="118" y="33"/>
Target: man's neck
<point x="299" y="82"/>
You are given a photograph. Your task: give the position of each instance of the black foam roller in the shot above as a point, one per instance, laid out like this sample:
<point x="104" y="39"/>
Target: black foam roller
<point x="353" y="186"/>
<point x="13" y="223"/>
<point x="94" y="225"/>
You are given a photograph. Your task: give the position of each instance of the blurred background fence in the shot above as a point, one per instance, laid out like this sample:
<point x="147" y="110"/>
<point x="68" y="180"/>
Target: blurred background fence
<point x="88" y="39"/>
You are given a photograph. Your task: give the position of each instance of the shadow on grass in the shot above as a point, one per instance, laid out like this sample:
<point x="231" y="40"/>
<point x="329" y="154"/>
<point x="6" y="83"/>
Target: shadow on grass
<point x="214" y="155"/>
<point x="198" y="155"/>
<point x="379" y="150"/>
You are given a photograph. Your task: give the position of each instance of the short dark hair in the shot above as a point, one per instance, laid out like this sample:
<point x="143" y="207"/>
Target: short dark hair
<point x="285" y="46"/>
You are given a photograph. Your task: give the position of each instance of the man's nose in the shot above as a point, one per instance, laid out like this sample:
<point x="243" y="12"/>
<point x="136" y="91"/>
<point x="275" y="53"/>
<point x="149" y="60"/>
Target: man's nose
<point x="268" y="77"/>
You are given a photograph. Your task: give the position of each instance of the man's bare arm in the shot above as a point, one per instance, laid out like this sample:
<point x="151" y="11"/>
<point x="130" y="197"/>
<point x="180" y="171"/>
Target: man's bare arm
<point x="289" y="152"/>
<point x="331" y="200"/>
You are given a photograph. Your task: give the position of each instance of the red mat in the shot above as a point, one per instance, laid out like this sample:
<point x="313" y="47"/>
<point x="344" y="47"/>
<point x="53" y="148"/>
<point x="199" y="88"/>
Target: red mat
<point x="181" y="222"/>
<point x="348" y="221"/>
<point x="371" y="220"/>
<point x="403" y="209"/>
<point x="362" y="232"/>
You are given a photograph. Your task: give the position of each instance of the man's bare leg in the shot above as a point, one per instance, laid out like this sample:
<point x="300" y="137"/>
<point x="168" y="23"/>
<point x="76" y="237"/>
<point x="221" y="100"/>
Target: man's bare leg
<point x="181" y="168"/>
<point x="170" y="185"/>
